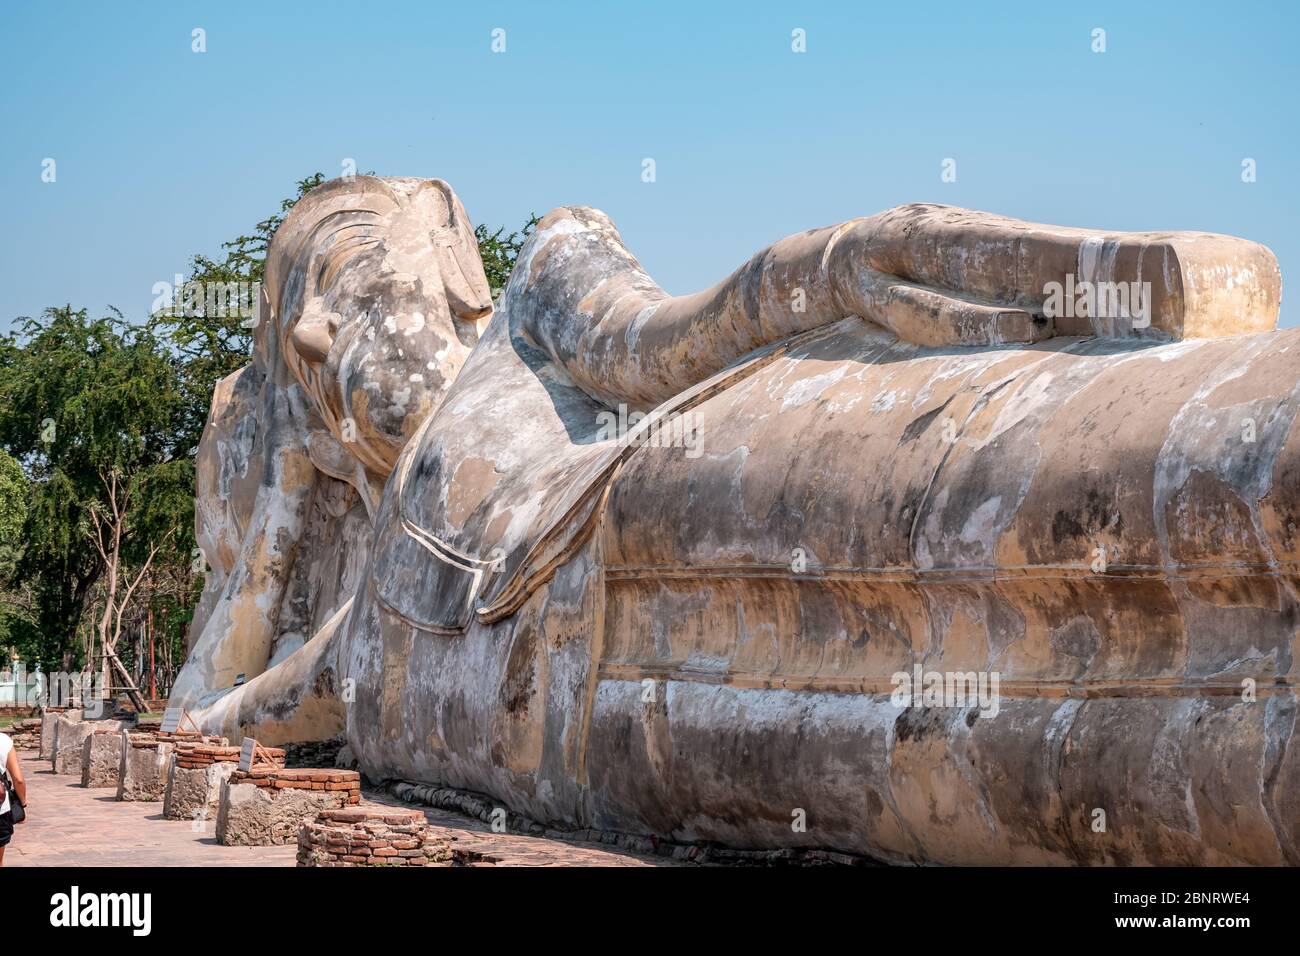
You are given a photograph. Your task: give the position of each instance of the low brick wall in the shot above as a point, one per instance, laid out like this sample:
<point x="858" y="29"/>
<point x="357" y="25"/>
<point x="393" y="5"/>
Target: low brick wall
<point x="378" y="836"/>
<point x="26" y="734"/>
<point x="317" y="753"/>
<point x="101" y="756"/>
<point x="266" y="807"/>
<point x="198" y="754"/>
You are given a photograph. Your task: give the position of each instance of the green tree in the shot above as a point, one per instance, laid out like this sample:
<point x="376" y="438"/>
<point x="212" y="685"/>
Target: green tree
<point x="82" y="400"/>
<point x="15" y="600"/>
<point x="500" y="252"/>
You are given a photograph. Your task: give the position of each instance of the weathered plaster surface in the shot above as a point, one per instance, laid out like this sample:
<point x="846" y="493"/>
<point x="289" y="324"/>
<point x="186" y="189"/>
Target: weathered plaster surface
<point x="948" y="497"/>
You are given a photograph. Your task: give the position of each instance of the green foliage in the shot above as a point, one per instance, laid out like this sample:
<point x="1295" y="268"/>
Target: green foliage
<point x="83" y="398"/>
<point x="499" y="253"/>
<point x="13" y="514"/>
<point x="15" y="617"/>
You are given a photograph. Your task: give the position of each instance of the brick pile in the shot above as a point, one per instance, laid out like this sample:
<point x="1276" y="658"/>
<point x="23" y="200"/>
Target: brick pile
<point x="318" y="753"/>
<point x="378" y="836"/>
<point x="201" y="755"/>
<point x="195" y="778"/>
<point x="345" y="782"/>
<point x="26" y="734"/>
<point x="150" y="740"/>
<point x="187" y="736"/>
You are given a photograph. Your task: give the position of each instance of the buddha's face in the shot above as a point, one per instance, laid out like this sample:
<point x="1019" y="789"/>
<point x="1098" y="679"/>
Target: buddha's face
<point x="381" y="296"/>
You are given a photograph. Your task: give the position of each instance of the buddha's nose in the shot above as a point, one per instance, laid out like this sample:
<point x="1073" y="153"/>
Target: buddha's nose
<point x="313" y="335"/>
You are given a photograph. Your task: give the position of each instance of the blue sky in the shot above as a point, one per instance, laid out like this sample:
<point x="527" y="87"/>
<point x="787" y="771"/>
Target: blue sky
<point x="162" y="152"/>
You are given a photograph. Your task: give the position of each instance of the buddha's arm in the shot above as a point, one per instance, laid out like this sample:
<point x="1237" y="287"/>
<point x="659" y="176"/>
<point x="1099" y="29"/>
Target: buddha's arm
<point x="299" y="699"/>
<point x="239" y="632"/>
<point x="934" y="275"/>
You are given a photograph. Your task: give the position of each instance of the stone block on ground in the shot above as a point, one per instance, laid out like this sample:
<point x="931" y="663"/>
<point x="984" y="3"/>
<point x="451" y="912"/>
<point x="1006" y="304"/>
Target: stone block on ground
<point x="194" y="793"/>
<point x="101" y="758"/>
<point x="267" y="806"/>
<point x="372" y="836"/>
<point x="142" y="770"/>
<point x="69" y="735"/>
<point x="70" y="739"/>
<point x="49" y="721"/>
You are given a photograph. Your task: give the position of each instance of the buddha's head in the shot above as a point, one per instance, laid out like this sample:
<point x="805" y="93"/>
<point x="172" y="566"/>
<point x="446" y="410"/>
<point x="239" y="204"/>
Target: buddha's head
<point x="376" y="295"/>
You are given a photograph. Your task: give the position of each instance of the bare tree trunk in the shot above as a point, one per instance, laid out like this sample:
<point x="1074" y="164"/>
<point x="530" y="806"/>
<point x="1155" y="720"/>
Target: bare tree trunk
<point x="108" y="532"/>
<point x="153" y="673"/>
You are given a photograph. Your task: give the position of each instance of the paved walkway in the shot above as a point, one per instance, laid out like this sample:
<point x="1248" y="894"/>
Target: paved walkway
<point x="69" y="825"/>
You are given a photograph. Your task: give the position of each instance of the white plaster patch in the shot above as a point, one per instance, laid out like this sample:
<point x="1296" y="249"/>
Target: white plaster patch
<point x="886" y="400"/>
<point x="809" y="389"/>
<point x="980" y="527"/>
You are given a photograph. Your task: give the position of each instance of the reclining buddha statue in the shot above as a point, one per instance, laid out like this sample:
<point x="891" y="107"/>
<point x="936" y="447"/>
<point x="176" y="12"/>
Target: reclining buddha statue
<point x="932" y="536"/>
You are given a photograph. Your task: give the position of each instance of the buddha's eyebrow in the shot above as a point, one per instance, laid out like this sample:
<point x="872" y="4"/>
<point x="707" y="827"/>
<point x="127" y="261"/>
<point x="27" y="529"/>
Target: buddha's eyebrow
<point x="344" y="245"/>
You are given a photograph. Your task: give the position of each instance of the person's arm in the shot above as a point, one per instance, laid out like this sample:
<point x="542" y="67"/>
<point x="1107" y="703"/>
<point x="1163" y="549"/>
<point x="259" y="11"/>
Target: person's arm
<point x="16" y="775"/>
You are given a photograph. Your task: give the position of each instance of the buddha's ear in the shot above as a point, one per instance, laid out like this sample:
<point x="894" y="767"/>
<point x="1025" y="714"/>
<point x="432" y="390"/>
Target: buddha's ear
<point x="463" y="279"/>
